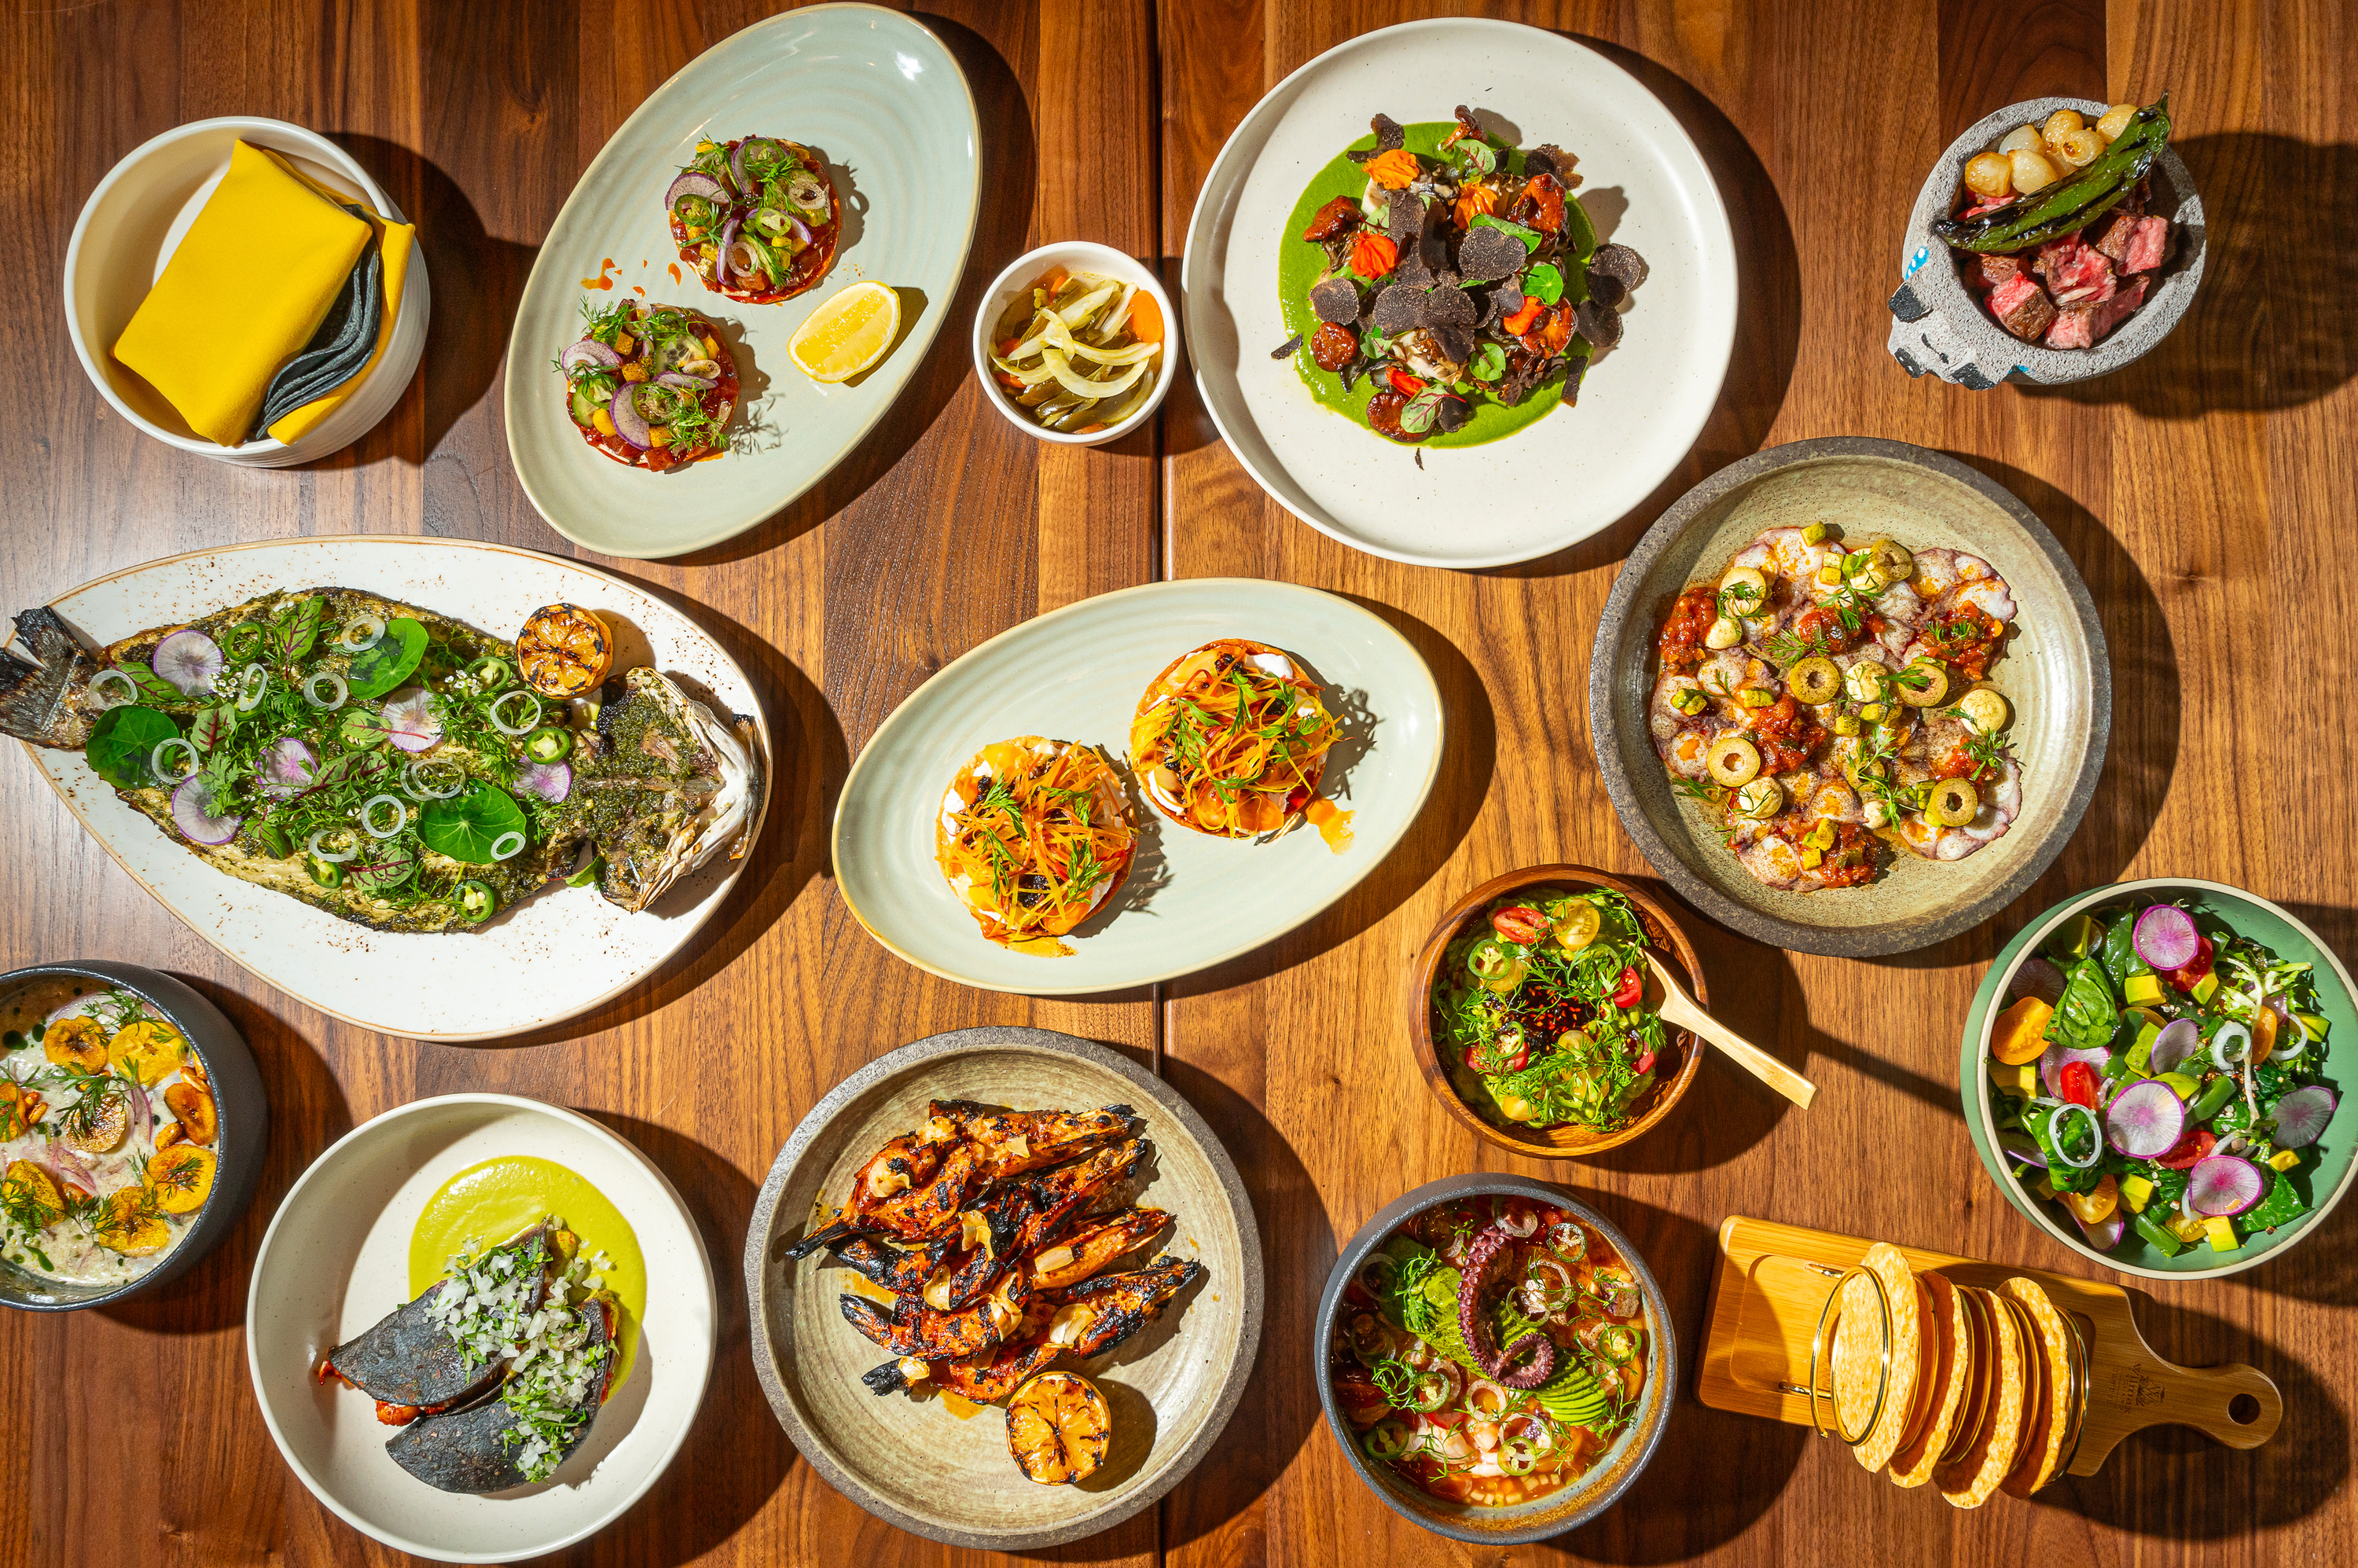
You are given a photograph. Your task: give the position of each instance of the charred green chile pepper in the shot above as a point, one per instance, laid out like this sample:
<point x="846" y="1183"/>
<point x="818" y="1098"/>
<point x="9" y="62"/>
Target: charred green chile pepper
<point x="2068" y="205"/>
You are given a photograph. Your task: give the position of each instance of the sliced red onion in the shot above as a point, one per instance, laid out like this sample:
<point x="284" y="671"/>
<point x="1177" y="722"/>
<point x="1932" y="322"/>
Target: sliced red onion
<point x="189" y="660"/>
<point x="695" y="182"/>
<point x="286" y="767"/>
<point x="590" y="352"/>
<point x="751" y="266"/>
<point x="2105" y="1234"/>
<point x="67" y="1166"/>
<point x="629" y="423"/>
<point x="318" y="846"/>
<point x="737" y="163"/>
<point x="2095" y="1134"/>
<point x="551" y="782"/>
<point x="192" y="813"/>
<point x="525" y="726"/>
<point x="681" y="378"/>
<point x="2178" y="1039"/>
<point x="726" y="238"/>
<point x="2302" y="1116"/>
<point x="507" y="845"/>
<point x="2021" y="1148"/>
<point x="802" y="230"/>
<point x="325" y="690"/>
<point x="369" y="814"/>
<point x="2231" y="1045"/>
<point x="2035" y="977"/>
<point x="365" y="632"/>
<point x="143" y="1115"/>
<point x="2051" y="1065"/>
<point x="2223" y="1185"/>
<point x="2166" y="938"/>
<point x="410" y="720"/>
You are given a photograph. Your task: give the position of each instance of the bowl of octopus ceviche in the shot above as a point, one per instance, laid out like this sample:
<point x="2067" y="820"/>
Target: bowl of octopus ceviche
<point x="1853" y="697"/>
<point x="1496" y="1359"/>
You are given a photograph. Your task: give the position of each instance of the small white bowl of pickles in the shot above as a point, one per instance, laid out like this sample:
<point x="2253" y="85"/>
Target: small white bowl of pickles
<point x="1076" y="343"/>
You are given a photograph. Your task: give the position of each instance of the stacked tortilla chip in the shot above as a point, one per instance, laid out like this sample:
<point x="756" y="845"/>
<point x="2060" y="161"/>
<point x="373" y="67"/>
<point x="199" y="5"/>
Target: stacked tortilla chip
<point x="1985" y="1388"/>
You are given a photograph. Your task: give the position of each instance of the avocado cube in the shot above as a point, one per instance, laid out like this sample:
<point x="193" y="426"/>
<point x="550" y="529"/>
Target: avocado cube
<point x="2135" y="1190"/>
<point x="2142" y="989"/>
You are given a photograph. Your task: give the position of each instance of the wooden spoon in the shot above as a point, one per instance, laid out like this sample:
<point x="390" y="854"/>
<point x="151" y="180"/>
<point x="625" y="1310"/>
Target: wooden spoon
<point x="1679" y="1009"/>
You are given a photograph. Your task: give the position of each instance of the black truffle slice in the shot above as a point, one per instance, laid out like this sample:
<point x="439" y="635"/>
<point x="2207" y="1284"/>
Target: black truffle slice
<point x="407" y="1358"/>
<point x="1606" y="289"/>
<point x="1337" y="300"/>
<point x="1578" y="368"/>
<point x="1405" y="218"/>
<point x="1451" y="414"/>
<point x="1390" y="133"/>
<point x="1449" y="307"/>
<point x="463" y="1451"/>
<point x="1548" y="158"/>
<point x="1457" y="342"/>
<point x="1398" y="309"/>
<point x="1619" y="263"/>
<point x="1598" y="325"/>
<point x="1286" y="347"/>
<point x="1489" y="254"/>
<point x="1503" y="302"/>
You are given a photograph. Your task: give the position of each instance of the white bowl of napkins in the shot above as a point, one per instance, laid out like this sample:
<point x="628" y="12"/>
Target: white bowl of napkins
<point x="188" y="355"/>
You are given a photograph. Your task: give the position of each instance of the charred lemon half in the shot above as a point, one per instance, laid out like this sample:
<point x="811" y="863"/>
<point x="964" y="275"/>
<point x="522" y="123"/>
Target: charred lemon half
<point x="1058" y="1428"/>
<point x="564" y="651"/>
<point x="182" y="1177"/>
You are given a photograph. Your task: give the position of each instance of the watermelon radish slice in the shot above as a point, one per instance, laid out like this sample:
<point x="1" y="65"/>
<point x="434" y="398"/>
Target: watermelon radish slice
<point x="2178" y="1039"/>
<point x="2051" y="1065"/>
<point x="193" y="815"/>
<point x="2105" y="1234"/>
<point x="2021" y="1148"/>
<point x="2301" y="1116"/>
<point x="2223" y="1185"/>
<point x="2037" y="977"/>
<point x="2166" y="938"/>
<point x="2146" y="1120"/>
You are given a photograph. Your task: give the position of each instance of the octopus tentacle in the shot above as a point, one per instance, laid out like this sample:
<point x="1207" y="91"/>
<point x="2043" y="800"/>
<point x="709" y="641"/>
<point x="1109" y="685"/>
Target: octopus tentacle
<point x="1537" y="1346"/>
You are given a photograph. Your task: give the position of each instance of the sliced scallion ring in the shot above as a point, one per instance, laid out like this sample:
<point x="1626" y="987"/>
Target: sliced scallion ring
<point x="319" y="850"/>
<point x="507" y="845"/>
<point x="498" y="707"/>
<point x="2229" y="1047"/>
<point x="370" y="813"/>
<point x="173" y="747"/>
<point x="361" y="632"/>
<point x="414" y="778"/>
<point x="326" y="689"/>
<point x="252" y="682"/>
<point x="102" y="687"/>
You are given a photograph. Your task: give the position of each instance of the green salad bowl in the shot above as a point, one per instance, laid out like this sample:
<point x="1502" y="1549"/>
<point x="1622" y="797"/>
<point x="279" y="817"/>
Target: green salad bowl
<point x="2254" y="916"/>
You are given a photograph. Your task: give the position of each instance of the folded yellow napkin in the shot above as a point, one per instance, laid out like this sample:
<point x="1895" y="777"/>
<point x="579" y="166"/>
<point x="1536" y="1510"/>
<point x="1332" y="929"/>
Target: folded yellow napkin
<point x="395" y="240"/>
<point x="257" y="273"/>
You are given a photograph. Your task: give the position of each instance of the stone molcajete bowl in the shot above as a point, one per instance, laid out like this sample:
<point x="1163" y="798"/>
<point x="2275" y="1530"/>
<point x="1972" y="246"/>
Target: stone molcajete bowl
<point x="2055" y="672"/>
<point x="1938" y="327"/>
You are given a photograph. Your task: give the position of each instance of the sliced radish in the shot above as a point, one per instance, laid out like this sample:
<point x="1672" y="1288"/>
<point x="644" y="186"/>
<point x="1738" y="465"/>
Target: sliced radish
<point x="192" y="813"/>
<point x="189" y="660"/>
<point x="410" y="719"/>
<point x="2051" y="1065"/>
<point x="2037" y="977"/>
<point x="550" y="781"/>
<point x="2302" y="1115"/>
<point x="2178" y="1039"/>
<point x="286" y="767"/>
<point x="2146" y="1120"/>
<point x="2223" y="1185"/>
<point x="2105" y="1234"/>
<point x="2166" y="938"/>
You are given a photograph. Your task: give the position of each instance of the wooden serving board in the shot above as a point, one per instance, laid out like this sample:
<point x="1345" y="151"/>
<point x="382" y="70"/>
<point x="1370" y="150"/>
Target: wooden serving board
<point x="1766" y="1299"/>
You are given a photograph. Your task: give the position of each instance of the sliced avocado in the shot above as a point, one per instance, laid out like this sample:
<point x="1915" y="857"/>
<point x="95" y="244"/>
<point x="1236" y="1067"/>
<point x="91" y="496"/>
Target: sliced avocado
<point x="2078" y="937"/>
<point x="2135" y="1190"/>
<point x="2182" y="1085"/>
<point x="2206" y="987"/>
<point x="2311" y="1024"/>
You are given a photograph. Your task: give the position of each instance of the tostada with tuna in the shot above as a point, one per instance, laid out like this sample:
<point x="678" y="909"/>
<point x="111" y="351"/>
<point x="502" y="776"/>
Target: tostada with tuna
<point x="650" y="387"/>
<point x="757" y="217"/>
<point x="1453" y="273"/>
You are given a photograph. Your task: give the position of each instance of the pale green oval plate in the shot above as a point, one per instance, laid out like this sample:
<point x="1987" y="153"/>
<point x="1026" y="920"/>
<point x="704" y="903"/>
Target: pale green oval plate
<point x="881" y="99"/>
<point x="1076" y="673"/>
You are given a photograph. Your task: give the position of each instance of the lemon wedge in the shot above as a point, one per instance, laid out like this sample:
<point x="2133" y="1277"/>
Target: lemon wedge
<point x="847" y="333"/>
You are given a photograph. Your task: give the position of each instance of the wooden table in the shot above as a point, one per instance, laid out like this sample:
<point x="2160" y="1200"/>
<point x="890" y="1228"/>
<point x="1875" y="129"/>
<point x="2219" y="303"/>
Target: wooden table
<point x="2205" y="494"/>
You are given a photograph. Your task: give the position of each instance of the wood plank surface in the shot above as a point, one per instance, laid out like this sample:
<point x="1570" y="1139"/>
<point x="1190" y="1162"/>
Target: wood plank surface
<point x="2204" y="494"/>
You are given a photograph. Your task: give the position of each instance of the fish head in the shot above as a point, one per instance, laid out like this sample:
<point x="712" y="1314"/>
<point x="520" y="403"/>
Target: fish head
<point x="46" y="698"/>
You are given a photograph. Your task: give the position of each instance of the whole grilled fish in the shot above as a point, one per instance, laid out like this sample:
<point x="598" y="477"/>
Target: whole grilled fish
<point x="373" y="759"/>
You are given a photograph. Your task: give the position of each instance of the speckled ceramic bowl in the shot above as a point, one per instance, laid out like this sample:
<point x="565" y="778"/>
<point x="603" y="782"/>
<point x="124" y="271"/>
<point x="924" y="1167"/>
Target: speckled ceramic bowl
<point x="1938" y="327"/>
<point x="243" y="1140"/>
<point x="1558" y="1511"/>
<point x="2329" y="1177"/>
<point x="2056" y="673"/>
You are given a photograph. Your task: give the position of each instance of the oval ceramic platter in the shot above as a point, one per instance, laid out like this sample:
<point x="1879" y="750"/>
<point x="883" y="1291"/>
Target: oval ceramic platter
<point x="884" y="103"/>
<point x="336" y="1259"/>
<point x="1575" y="470"/>
<point x="561" y="952"/>
<point x="2055" y="673"/>
<point x="1076" y="675"/>
<point x="1170" y="1388"/>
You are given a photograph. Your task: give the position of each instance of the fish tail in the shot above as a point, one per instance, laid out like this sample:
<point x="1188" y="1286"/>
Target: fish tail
<point x="45" y="699"/>
<point x="834" y="1230"/>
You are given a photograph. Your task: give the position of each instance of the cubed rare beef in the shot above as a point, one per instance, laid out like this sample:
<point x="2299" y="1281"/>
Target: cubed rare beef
<point x="2022" y="307"/>
<point x="2075" y="273"/>
<point x="1994" y="270"/>
<point x="2149" y="247"/>
<point x="2085" y="326"/>
<point x="2111" y="234"/>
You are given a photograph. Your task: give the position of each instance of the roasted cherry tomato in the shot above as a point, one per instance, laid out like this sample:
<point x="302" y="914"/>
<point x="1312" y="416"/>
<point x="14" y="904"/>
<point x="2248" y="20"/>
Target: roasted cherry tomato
<point x="1519" y="923"/>
<point x="2077" y="1082"/>
<point x="1632" y="990"/>
<point x="2191" y="1150"/>
<point x="2185" y="980"/>
<point x="1491" y="1056"/>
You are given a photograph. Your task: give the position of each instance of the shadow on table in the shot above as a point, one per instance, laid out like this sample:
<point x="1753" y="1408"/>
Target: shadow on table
<point x="1001" y="223"/>
<point x="2172" y="1482"/>
<point x="2269" y="327"/>
<point x="736" y="1454"/>
<point x="306" y="1113"/>
<point x="1677" y="1510"/>
<point x="807" y="762"/>
<point x="1280" y="1400"/>
<point x="1767" y="315"/>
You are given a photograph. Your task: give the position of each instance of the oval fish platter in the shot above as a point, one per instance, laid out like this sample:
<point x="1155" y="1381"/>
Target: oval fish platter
<point x="559" y="952"/>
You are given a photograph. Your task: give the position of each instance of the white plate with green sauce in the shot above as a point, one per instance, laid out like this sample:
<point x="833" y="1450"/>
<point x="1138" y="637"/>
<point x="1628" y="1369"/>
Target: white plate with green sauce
<point x="1518" y="483"/>
<point x="370" y="1226"/>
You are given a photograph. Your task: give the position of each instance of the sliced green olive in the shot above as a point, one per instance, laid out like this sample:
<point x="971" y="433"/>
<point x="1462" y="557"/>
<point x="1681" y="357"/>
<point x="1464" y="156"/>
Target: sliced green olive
<point x="1867" y="681"/>
<point x="1893" y="559"/>
<point x="1760" y="800"/>
<point x="1984" y="709"/>
<point x="1756" y="697"/>
<point x="1921" y="684"/>
<point x="1733" y="761"/>
<point x="1954" y="803"/>
<point x="1845" y="724"/>
<point x="1816" y="681"/>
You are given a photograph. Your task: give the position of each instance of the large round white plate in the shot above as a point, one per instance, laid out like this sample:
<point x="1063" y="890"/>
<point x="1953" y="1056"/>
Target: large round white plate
<point x="877" y="96"/>
<point x="336" y="1259"/>
<point x="564" y="949"/>
<point x="1576" y="470"/>
<point x="1076" y="673"/>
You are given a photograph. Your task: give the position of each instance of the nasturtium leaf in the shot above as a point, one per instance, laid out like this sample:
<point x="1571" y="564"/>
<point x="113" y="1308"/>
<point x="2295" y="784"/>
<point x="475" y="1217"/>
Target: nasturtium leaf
<point x="1546" y="281"/>
<point x="389" y="661"/>
<point x="124" y="740"/>
<point x="466" y="826"/>
<point x="295" y="626"/>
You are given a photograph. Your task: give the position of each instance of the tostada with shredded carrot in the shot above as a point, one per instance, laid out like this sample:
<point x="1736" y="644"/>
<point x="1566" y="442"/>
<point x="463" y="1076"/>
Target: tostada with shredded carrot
<point x="1231" y="739"/>
<point x="1033" y="835"/>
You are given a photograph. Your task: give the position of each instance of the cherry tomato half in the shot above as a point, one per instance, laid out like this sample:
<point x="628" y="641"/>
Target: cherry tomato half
<point x="2192" y="1148"/>
<point x="1404" y="384"/>
<point x="2184" y="979"/>
<point x="1493" y="1060"/>
<point x="1631" y="991"/>
<point x="1519" y="923"/>
<point x="2077" y="1082"/>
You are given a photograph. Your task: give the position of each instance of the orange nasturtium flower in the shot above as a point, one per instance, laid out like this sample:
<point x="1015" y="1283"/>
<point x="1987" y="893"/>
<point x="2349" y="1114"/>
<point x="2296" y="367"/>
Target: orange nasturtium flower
<point x="1473" y="201"/>
<point x="1372" y="255"/>
<point x="1394" y="170"/>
